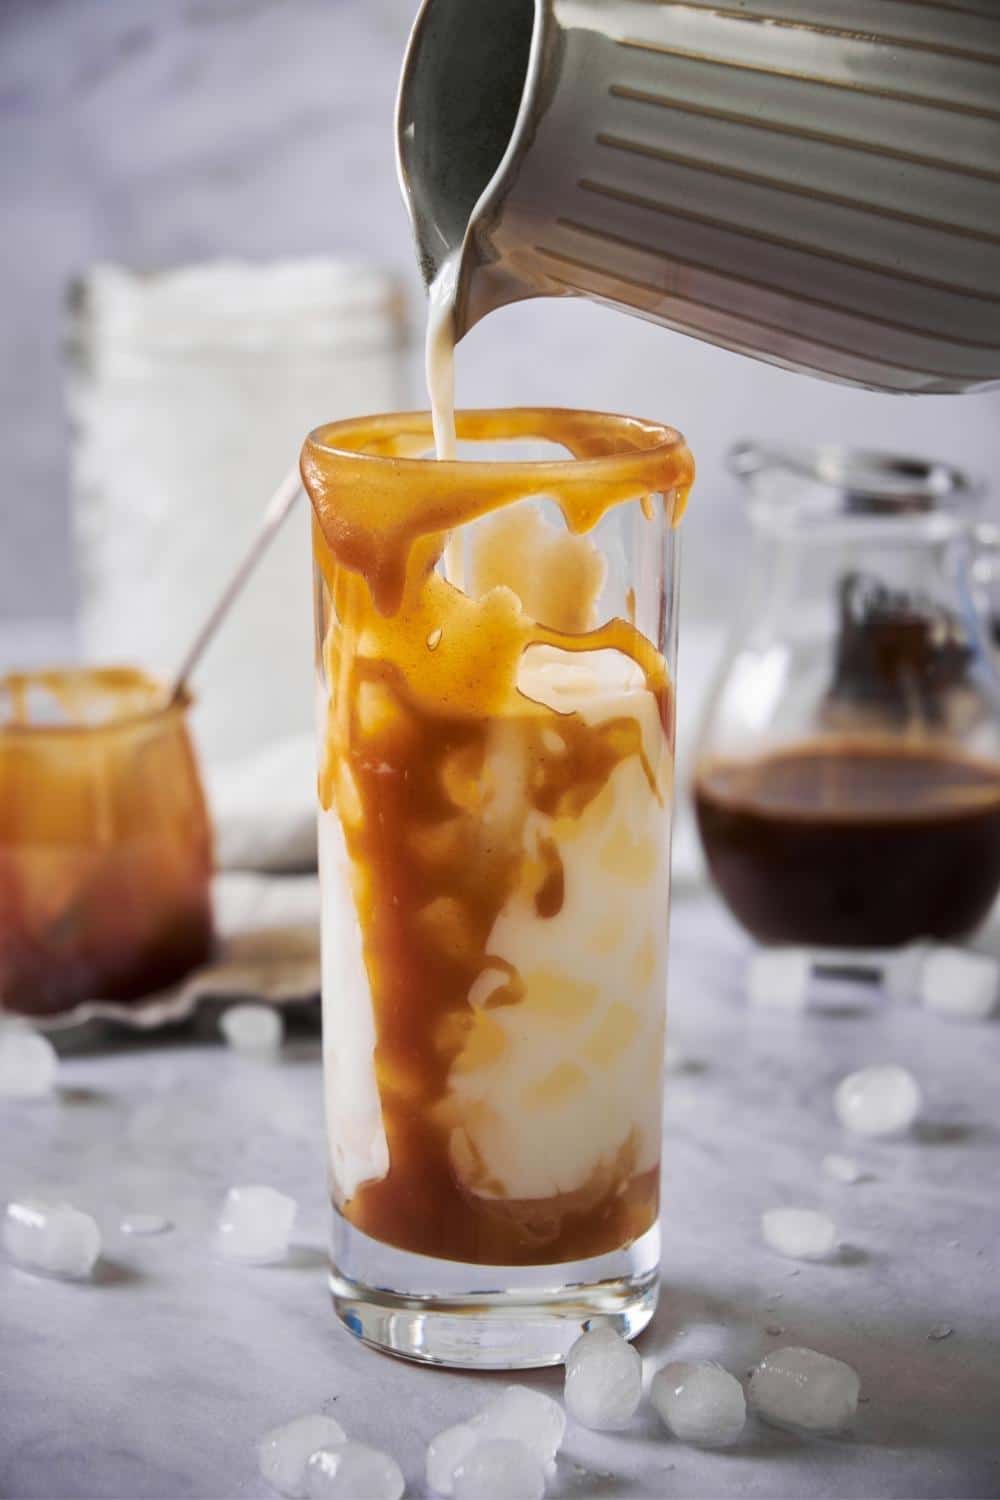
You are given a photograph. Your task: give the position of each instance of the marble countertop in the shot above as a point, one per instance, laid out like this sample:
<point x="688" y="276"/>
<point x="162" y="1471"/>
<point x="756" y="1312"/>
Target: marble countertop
<point x="156" y="1379"/>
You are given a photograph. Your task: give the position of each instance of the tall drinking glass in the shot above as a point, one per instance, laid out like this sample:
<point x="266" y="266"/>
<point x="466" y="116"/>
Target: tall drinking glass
<point x="496" y="641"/>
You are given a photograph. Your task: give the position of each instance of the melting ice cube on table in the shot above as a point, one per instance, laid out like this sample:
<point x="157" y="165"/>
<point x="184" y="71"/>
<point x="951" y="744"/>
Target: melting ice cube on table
<point x="526" y="1414"/>
<point x="254" y="1030"/>
<point x="882" y="1100"/>
<point x="800" y="1233"/>
<point x="960" y="985"/>
<point x="778" y="978"/>
<point x="284" y="1452"/>
<point x="255" y="1225"/>
<point x="804" y="1390"/>
<point x="499" y="1469"/>
<point x="445" y="1452"/>
<point x="951" y="982"/>
<point x="28" y="1062"/>
<point x="700" y="1403"/>
<point x="603" y="1380"/>
<point x="353" y="1471"/>
<point x="51" y="1238"/>
<point x="518" y="1412"/>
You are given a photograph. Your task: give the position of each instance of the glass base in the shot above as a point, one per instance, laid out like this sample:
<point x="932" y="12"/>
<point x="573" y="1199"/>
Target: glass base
<point x="487" y="1317"/>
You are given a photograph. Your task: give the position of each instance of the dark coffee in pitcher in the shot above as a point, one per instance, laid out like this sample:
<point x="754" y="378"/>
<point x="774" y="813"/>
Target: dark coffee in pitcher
<point x="862" y="843"/>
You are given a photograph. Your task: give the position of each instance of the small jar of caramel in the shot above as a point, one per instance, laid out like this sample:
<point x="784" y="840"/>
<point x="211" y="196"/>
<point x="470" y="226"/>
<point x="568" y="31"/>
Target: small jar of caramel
<point x="105" y="841"/>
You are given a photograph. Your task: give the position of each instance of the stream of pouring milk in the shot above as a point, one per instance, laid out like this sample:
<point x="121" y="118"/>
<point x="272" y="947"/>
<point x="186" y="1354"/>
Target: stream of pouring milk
<point x="439" y="363"/>
<point x="439" y="355"/>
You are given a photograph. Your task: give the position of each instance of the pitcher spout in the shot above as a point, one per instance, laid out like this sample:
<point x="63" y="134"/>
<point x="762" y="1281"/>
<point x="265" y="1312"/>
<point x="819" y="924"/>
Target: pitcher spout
<point x="463" y="116"/>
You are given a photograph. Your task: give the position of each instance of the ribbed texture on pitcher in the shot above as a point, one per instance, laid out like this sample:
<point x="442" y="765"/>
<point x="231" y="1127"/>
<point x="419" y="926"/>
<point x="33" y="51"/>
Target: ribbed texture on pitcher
<point x="814" y="182"/>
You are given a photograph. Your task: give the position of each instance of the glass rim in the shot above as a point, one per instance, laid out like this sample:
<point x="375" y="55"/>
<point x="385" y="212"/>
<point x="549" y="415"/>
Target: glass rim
<point x="108" y="680"/>
<point x="527" y="422"/>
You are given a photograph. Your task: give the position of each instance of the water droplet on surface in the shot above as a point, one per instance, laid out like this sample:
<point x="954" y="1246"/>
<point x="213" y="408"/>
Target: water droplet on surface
<point x="145" y="1224"/>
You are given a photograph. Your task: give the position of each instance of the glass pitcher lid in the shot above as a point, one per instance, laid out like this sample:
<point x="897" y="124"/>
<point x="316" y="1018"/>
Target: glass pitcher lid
<point x="840" y="488"/>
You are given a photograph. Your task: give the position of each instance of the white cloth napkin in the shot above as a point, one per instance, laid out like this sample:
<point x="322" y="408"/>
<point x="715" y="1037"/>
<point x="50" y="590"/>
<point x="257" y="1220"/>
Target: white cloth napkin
<point x="264" y="808"/>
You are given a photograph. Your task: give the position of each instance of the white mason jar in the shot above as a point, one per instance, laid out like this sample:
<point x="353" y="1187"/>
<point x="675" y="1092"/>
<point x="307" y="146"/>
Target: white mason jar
<point x="189" y="393"/>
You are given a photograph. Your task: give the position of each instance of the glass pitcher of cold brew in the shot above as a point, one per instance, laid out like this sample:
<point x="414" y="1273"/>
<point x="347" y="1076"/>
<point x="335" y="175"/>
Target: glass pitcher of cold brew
<point x="847" y="781"/>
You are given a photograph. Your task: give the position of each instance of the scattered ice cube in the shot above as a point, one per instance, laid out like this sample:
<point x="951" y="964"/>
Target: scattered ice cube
<point x="283" y="1453"/>
<point x="940" y="1331"/>
<point x="881" y="1100"/>
<point x="901" y="971"/>
<point x="842" y="1168"/>
<point x="518" y="1412"/>
<point x="700" y="1403"/>
<point x="255" y="1225"/>
<point x="800" y="1233"/>
<point x="499" y="1469"/>
<point x="804" y="1390"/>
<point x="603" y="1380"/>
<point x="52" y="1238"/>
<point x="445" y="1452"/>
<point x="958" y="984"/>
<point x="255" y="1030"/>
<point x="28" y="1062"/>
<point x="527" y="1415"/>
<point x="353" y="1471"/>
<point x="778" y="978"/>
<point x="145" y="1224"/>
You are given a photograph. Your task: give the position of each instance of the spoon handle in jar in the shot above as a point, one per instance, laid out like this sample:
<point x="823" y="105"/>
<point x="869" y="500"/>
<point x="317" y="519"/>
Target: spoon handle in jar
<point x="276" y="512"/>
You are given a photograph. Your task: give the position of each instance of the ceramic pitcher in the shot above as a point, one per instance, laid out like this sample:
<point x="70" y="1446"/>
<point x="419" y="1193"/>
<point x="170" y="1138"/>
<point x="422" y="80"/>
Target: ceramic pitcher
<point x="813" y="182"/>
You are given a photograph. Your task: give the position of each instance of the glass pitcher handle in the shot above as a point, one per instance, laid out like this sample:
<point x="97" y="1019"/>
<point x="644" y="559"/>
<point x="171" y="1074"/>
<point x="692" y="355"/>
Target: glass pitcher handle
<point x="985" y="581"/>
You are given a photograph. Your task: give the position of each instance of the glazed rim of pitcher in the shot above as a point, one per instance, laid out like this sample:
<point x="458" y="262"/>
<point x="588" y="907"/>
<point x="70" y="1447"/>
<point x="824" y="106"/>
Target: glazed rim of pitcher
<point x="367" y="439"/>
<point x="844" y="491"/>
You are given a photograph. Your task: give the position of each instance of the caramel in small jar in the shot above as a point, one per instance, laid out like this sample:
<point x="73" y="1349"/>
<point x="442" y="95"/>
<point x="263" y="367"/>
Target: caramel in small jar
<point x="105" y="843"/>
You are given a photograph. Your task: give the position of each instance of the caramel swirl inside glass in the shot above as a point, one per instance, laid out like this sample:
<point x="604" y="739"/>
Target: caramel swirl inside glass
<point x="495" y="785"/>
